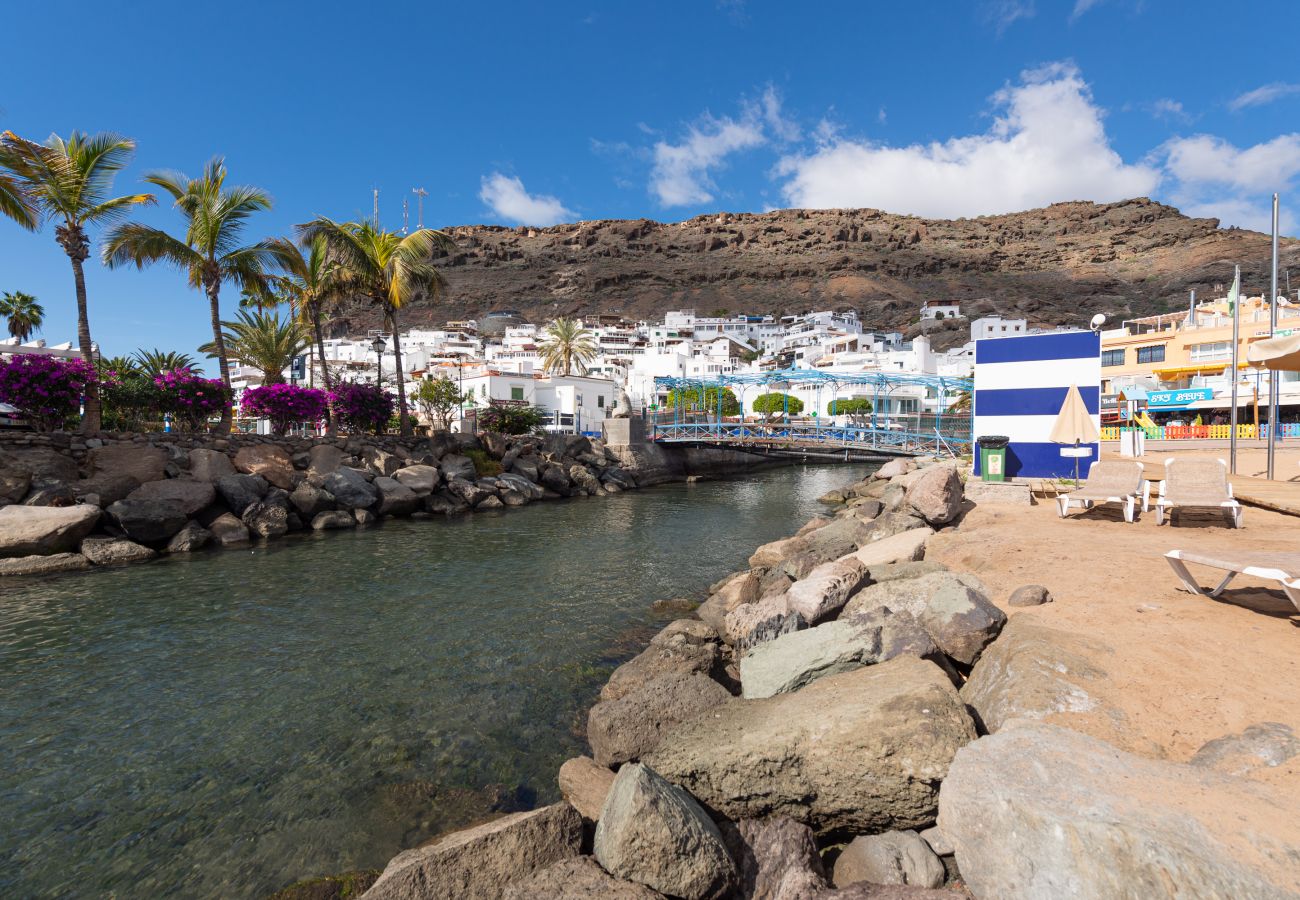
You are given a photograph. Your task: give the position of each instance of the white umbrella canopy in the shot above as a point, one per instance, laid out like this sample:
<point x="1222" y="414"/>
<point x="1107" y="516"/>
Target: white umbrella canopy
<point x="1074" y="424"/>
<point x="1279" y="353"/>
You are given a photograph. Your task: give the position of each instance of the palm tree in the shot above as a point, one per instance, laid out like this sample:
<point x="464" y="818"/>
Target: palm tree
<point x="156" y="362"/>
<point x="69" y="180"/>
<point x="310" y="287"/>
<point x="25" y="315"/>
<point x="262" y="340"/>
<point x="568" y="344"/>
<point x="211" y="253"/>
<point x="388" y="268"/>
<point x="14" y="202"/>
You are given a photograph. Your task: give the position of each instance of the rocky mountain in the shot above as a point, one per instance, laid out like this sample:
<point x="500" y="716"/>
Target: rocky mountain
<point x="1058" y="265"/>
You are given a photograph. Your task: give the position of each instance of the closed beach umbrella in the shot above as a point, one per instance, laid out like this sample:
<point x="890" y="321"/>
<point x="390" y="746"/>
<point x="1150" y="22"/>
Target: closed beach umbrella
<point x="1279" y="353"/>
<point x="1074" y="425"/>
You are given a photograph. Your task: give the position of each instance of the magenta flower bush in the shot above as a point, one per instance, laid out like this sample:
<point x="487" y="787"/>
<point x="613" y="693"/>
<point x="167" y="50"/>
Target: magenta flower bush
<point x="46" y="389"/>
<point x="191" y="398"/>
<point x="286" y="405"/>
<point x="361" y="407"/>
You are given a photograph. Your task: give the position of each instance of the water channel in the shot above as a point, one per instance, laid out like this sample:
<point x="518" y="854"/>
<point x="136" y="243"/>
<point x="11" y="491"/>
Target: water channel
<point x="226" y="724"/>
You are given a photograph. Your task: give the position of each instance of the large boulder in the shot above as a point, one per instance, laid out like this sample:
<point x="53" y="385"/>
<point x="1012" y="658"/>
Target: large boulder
<point x="585" y="784"/>
<point x="453" y="465"/>
<point x="332" y="519"/>
<point x="210" y="465"/>
<point x="826" y="588"/>
<point x="192" y="496"/>
<point x="777" y="552"/>
<point x="1260" y="746"/>
<point x="906" y="546"/>
<point x="45" y="463"/>
<point x="36" y="530"/>
<point x="631" y="726"/>
<point x="105" y="488"/>
<point x="736" y="591"/>
<point x="654" y="833"/>
<point x="576" y="878"/>
<point x="148" y="521"/>
<point x="271" y="462"/>
<point x="895" y="468"/>
<point x="310" y="500"/>
<point x="419" y="478"/>
<point x="936" y="495"/>
<point x="776" y="859"/>
<point x="895" y="857"/>
<point x="1043" y="811"/>
<point x="468" y="492"/>
<point x="958" y="616"/>
<point x="764" y="620"/>
<point x="395" y="498"/>
<point x="227" y="530"/>
<point x="142" y="462"/>
<point x="52" y="564"/>
<point x="683" y="647"/>
<point x="266" y="519"/>
<point x="801" y="657"/>
<point x="324" y="459"/>
<point x="190" y="538"/>
<point x="350" y="488"/>
<point x="854" y="753"/>
<point x="839" y="538"/>
<point x="522" y="485"/>
<point x="111" y="551"/>
<point x="381" y="462"/>
<point x="241" y="491"/>
<point x="478" y="863"/>
<point x="15" y="478"/>
<point x="583" y="477"/>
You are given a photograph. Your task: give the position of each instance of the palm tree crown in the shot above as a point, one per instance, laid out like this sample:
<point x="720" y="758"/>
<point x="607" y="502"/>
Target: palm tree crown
<point x="22" y="312"/>
<point x="310" y="286"/>
<point x="211" y="252"/>
<point x="386" y="267"/>
<point x="568" y="344"/>
<point x="156" y="362"/>
<point x="264" y="341"/>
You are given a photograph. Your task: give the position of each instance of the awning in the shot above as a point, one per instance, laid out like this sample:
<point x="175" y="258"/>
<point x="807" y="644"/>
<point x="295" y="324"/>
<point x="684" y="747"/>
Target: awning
<point x="1281" y="353"/>
<point x="1171" y="374"/>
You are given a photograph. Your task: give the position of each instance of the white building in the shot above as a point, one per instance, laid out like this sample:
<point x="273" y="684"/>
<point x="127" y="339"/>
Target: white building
<point x="987" y="327"/>
<point x="931" y="310"/>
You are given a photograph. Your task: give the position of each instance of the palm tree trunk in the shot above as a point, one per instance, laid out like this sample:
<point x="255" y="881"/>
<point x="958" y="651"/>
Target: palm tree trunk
<point x="403" y="420"/>
<point x="324" y="370"/>
<point x="214" y="290"/>
<point x="90" y="421"/>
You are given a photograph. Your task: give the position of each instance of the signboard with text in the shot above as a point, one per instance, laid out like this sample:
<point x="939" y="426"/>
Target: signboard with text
<point x="1177" y="399"/>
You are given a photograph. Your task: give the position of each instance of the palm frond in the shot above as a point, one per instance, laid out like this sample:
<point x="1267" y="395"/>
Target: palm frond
<point x="15" y="202"/>
<point x="143" y="245"/>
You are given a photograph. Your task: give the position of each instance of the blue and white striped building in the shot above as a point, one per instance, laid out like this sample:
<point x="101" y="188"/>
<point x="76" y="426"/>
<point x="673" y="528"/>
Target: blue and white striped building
<point x="1020" y="385"/>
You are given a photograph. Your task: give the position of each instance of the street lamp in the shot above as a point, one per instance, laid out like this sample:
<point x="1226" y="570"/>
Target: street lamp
<point x="378" y="346"/>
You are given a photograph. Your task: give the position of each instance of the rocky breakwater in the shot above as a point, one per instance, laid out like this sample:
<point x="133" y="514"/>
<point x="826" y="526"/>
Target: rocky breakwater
<point x="112" y="502"/>
<point x="821" y="729"/>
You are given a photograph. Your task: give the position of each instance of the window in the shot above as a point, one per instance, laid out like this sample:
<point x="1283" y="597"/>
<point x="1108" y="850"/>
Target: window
<point x="1112" y="357"/>
<point x="1151" y="354"/>
<point x="1212" y="350"/>
<point x="600" y="401"/>
<point x="516" y="393"/>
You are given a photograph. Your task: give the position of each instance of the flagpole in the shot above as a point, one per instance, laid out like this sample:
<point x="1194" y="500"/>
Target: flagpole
<point x="1273" y="427"/>
<point x="1234" y="297"/>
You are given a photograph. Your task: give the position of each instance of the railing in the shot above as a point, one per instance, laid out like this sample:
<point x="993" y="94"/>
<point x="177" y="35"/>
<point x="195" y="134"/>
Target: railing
<point x="809" y="436"/>
<point x="1209" y="432"/>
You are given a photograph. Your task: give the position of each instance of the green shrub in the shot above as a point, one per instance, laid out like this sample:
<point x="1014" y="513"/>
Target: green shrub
<point x="484" y="465"/>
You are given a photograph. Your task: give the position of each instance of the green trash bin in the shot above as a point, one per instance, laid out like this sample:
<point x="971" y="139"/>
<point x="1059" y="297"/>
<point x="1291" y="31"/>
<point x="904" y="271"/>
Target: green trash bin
<point x="993" y="457"/>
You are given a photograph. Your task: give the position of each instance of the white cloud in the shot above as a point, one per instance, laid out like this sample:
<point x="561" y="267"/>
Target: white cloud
<point x="1004" y="13"/>
<point x="1168" y="109"/>
<point x="783" y="128"/>
<point x="506" y="197"/>
<point x="1212" y="177"/>
<point x="1081" y="7"/>
<point x="1048" y="145"/>
<point x="1261" y="95"/>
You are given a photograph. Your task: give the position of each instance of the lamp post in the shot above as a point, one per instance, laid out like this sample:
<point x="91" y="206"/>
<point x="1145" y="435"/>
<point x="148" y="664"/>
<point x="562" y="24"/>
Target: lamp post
<point x="378" y="346"/>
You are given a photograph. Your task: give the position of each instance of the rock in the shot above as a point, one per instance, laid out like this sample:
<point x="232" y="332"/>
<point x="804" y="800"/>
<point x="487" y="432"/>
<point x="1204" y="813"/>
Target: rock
<point x="775" y="553"/>
<point x="832" y="497"/>
<point x="269" y="461"/>
<point x="676" y="606"/>
<point x="492" y="501"/>
<point x="364" y="517"/>
<point x="895" y="468"/>
<point x="331" y="519"/>
<point x="890" y="524"/>
<point x="37" y="530"/>
<point x="210" y="465"/>
<point x="812" y="525"/>
<point x="556" y="478"/>
<point x="107" y="488"/>
<point x="350" y="488"/>
<point x="381" y="462"/>
<point x="421" y="479"/>
<point x="826" y="589"/>
<point x="190" y="538"/>
<point x="241" y="491"/>
<point x="934" y="838"/>
<point x="856" y="753"/>
<point x="672" y="651"/>
<point x="936" y="495"/>
<point x="1030" y="595"/>
<point x="583" y="478"/>
<point x="49" y="493"/>
<point x="266" y="519"/>
<point x="310" y="500"/>
<point x="585" y="784"/>
<point x="904" y="547"/>
<point x="1265" y="745"/>
<point x="478" y="863"/>
<point x="631" y="726"/>
<point x="148" y="521"/>
<point x="469" y="493"/>
<point x="192" y="496"/>
<point x="961" y="620"/>
<point x="456" y="466"/>
<point x="793" y="660"/>
<point x="750" y="625"/>
<point x="776" y="859"/>
<point x="895" y="857"/>
<point x="526" y="467"/>
<point x="111" y="551"/>
<point x="522" y="485"/>
<point x="865" y="508"/>
<point x="142" y="463"/>
<point x="445" y="503"/>
<point x="51" y="564"/>
<point x="900" y="635"/>
<point x="1043" y="811"/>
<point x="654" y="833"/>
<point x="324" y="459"/>
<point x="395" y="498"/>
<point x="736" y="591"/>
<point x="15" y="478"/>
<point x="574" y="879"/>
<point x="838" y="539"/>
<point x="227" y="530"/>
<point x="513" y="498"/>
<point x="896" y="571"/>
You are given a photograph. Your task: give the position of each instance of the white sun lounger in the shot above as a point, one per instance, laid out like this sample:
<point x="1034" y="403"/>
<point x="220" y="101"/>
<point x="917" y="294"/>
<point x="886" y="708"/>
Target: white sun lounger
<point x="1284" y="568"/>
<point x="1196" y="483"/>
<point x="1109" y="481"/>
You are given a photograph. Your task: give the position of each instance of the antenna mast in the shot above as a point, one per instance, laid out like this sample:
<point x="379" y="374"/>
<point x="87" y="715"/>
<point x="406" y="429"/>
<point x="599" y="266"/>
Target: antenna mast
<point x="420" y="194"/>
<point x="406" y="215"/>
<point x="376" y="207"/>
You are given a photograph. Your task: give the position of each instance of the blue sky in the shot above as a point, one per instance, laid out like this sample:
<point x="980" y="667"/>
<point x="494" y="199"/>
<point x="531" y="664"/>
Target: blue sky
<point x="540" y="112"/>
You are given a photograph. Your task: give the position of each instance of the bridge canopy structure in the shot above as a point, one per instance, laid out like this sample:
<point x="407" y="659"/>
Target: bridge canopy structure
<point x="890" y="433"/>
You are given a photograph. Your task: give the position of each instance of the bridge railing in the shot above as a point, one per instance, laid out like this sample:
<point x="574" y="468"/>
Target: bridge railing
<point x="798" y="435"/>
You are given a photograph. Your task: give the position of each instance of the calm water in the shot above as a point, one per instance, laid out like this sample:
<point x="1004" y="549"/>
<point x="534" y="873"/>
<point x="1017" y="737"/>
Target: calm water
<point x="227" y="724"/>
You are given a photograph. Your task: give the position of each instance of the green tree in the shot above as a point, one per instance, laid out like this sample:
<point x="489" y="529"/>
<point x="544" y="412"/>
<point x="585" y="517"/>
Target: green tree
<point x="262" y="340"/>
<point x="689" y="398"/>
<point x="438" y="398"/>
<point x="387" y="268"/>
<point x="212" y="252"/>
<point x="132" y="402"/>
<point x="69" y="180"/>
<point x="567" y="345"/>
<point x="155" y="362"/>
<point x="854" y="407"/>
<point x="775" y="404"/>
<point x="22" y="313"/>
<point x="309" y="287"/>
<point x="504" y="417"/>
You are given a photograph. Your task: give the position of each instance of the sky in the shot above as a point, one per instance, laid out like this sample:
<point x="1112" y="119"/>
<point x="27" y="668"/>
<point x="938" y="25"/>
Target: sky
<point x="535" y="113"/>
